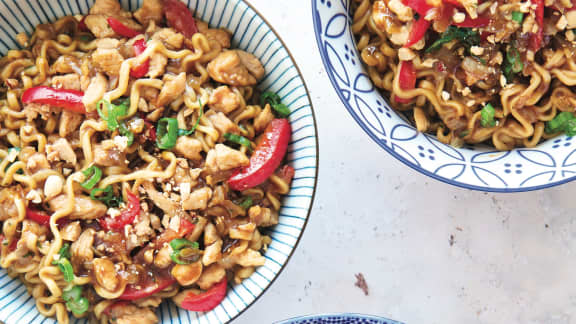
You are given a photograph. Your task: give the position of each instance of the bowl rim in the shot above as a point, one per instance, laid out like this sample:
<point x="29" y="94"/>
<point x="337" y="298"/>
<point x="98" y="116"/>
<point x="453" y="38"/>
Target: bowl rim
<point x="317" y="31"/>
<point x="349" y="315"/>
<point x="317" y="164"/>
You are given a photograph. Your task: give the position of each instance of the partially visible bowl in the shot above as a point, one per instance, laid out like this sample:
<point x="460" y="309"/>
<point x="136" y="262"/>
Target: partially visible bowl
<point x="550" y="163"/>
<point x="343" y="318"/>
<point x="252" y="34"/>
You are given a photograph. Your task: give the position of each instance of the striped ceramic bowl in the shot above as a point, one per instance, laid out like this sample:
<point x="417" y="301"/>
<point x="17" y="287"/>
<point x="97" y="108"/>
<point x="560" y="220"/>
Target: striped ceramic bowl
<point x="252" y="34"/>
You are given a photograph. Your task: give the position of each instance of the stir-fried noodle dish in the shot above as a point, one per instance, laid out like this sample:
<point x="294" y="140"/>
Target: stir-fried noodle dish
<point x="474" y="71"/>
<point x="138" y="163"/>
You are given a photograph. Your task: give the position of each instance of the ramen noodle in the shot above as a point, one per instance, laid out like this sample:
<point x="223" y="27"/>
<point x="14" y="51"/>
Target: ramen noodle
<point x="138" y="163"/>
<point x="471" y="71"/>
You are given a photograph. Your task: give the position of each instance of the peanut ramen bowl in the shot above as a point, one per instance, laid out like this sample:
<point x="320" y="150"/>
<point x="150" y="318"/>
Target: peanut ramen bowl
<point x="157" y="160"/>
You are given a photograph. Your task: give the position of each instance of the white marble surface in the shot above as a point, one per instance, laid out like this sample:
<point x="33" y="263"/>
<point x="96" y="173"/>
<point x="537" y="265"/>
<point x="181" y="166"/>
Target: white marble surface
<point x="513" y="255"/>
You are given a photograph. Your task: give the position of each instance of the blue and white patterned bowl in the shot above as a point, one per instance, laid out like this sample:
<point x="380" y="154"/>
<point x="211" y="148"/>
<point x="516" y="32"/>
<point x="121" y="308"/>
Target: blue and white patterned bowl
<point x="252" y="34"/>
<point x="344" y="318"/>
<point x="551" y="163"/>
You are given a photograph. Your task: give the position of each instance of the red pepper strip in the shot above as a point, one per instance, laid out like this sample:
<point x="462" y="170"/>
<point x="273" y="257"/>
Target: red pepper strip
<point x="119" y="28"/>
<point x="266" y="157"/>
<point x="418" y="31"/>
<point x="420" y="6"/>
<point x="407" y="79"/>
<point x="168" y="235"/>
<point x="38" y="216"/>
<point x="180" y="17"/>
<point x="206" y="301"/>
<point x="67" y="99"/>
<point x="474" y="23"/>
<point x="535" y="41"/>
<point x="140" y="70"/>
<point x="12" y="246"/>
<point x="127" y="216"/>
<point x="82" y="25"/>
<point x="149" y="130"/>
<point x="137" y="291"/>
<point x="454" y="2"/>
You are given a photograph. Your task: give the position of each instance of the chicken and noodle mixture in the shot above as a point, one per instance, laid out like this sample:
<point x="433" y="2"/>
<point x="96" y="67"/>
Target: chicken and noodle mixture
<point x="474" y="71"/>
<point x="139" y="163"/>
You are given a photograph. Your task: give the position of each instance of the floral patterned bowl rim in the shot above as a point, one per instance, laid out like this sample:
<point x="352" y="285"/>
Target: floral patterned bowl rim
<point x="338" y="318"/>
<point x="251" y="32"/>
<point x="551" y="163"/>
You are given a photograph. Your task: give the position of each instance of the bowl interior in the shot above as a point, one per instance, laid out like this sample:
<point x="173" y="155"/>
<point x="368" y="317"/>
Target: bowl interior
<point x="254" y="35"/>
<point x="475" y="167"/>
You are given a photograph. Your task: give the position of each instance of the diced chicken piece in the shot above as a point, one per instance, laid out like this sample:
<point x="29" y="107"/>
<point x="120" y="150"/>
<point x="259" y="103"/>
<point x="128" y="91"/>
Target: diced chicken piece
<point x="189" y="148"/>
<point x="61" y="150"/>
<point x="210" y="234"/>
<point x="150" y="10"/>
<point x="211" y="275"/>
<point x="250" y="258"/>
<point x="236" y="68"/>
<point x="262" y="216"/>
<point x="222" y="123"/>
<point x="84" y="207"/>
<point x="126" y="313"/>
<point x="69" y="122"/>
<point x="198" y="199"/>
<point x="223" y="158"/>
<point x="81" y="250"/>
<point x="66" y="64"/>
<point x="224" y="100"/>
<point x="98" y="26"/>
<point x="106" y="7"/>
<point x="171" y="90"/>
<point x="221" y="36"/>
<point x="7" y="206"/>
<point x="162" y="259"/>
<point x="263" y="119"/>
<point x="404" y="13"/>
<point x="95" y="92"/>
<point x="471" y="7"/>
<point x="107" y="58"/>
<point x="168" y="206"/>
<point x="212" y="253"/>
<point x="157" y="65"/>
<point x="108" y="153"/>
<point x="37" y="162"/>
<point x="69" y="81"/>
<point x="242" y="231"/>
<point x="171" y="39"/>
<point x="32" y="110"/>
<point x="105" y="273"/>
<point x="71" y="231"/>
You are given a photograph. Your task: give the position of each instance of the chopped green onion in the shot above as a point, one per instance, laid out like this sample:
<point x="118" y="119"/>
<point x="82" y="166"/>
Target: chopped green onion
<point x="66" y="268"/>
<point x="29" y="254"/>
<point x="109" y="199"/>
<point x="238" y="139"/>
<point x="487" y="116"/>
<point x="167" y="133"/>
<point x="64" y="251"/>
<point x="517" y="16"/>
<point x="113" y="112"/>
<point x="124" y="131"/>
<point x="183" y="132"/>
<point x="464" y="133"/>
<point x="563" y="122"/>
<point x="513" y="63"/>
<point x="13" y="158"/>
<point x="247" y="203"/>
<point x="74" y="300"/>
<point x="275" y="102"/>
<point x="94" y="174"/>
<point x="466" y="36"/>
<point x="181" y="245"/>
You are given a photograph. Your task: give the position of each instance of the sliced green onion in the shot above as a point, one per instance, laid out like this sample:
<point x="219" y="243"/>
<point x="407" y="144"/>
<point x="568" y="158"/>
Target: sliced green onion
<point x="64" y="251"/>
<point x="517" y="16"/>
<point x="513" y="63"/>
<point x="247" y="203"/>
<point x="466" y="36"/>
<point x="113" y="112"/>
<point x="94" y="174"/>
<point x="281" y="110"/>
<point x="487" y="116"/>
<point x="563" y="122"/>
<point x="73" y="293"/>
<point x="166" y="133"/>
<point x="109" y="199"/>
<point x="180" y="243"/>
<point x="124" y="131"/>
<point x="66" y="269"/>
<point x="269" y="97"/>
<point x="78" y="307"/>
<point x="238" y="139"/>
<point x="183" y="132"/>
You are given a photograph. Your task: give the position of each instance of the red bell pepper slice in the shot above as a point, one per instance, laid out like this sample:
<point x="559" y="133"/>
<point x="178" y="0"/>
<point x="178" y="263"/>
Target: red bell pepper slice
<point x="127" y="216"/>
<point x="82" y="25"/>
<point x="38" y="216"/>
<point x="418" y="31"/>
<point x="407" y="79"/>
<point x="180" y="17"/>
<point x="67" y="99"/>
<point x="206" y="301"/>
<point x="141" y="69"/>
<point x="535" y="41"/>
<point x="12" y="246"/>
<point x="266" y="157"/>
<point x="139" y="291"/>
<point x="479" y="22"/>
<point x="119" y="28"/>
<point x="186" y="227"/>
<point x="149" y="130"/>
<point x="420" y="6"/>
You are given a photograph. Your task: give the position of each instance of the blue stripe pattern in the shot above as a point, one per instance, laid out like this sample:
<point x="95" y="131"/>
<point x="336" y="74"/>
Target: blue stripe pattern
<point x="254" y="35"/>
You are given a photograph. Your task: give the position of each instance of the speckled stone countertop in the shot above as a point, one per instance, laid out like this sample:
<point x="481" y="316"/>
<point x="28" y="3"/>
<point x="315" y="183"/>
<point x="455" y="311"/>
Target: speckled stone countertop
<point x="430" y="253"/>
